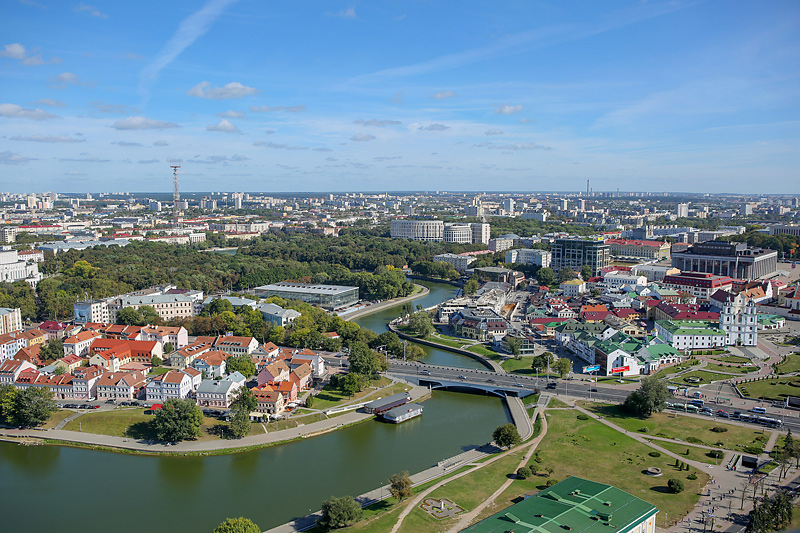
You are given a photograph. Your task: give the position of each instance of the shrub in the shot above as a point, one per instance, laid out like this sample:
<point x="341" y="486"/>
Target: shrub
<point x="654" y="454"/>
<point x="692" y="476"/>
<point x="719" y="429"/>
<point x="716" y="454"/>
<point x="675" y="485"/>
<point x="694" y="440"/>
<point x="644" y="430"/>
<point x="523" y="472"/>
<point x="550" y="482"/>
<point x="583" y="416"/>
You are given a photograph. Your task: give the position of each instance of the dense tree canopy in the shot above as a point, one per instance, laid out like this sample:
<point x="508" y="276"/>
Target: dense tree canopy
<point x="340" y="512"/>
<point x="506" y="436"/>
<point x="177" y="420"/>
<point x="651" y="396"/>
<point x="29" y="407"/>
<point x="237" y="525"/>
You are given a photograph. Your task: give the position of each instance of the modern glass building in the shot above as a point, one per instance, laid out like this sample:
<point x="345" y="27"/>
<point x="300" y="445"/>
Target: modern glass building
<point x="326" y="296"/>
<point x="574" y="253"/>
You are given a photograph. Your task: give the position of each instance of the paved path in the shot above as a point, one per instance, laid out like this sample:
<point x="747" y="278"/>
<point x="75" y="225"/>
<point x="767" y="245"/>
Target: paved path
<point x="304" y="431"/>
<point x="383" y="305"/>
<point x="69" y="419"/>
<point x="467" y="518"/>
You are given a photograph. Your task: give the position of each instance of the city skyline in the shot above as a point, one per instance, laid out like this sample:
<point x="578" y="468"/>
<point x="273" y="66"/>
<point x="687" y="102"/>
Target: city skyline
<point x="647" y="96"/>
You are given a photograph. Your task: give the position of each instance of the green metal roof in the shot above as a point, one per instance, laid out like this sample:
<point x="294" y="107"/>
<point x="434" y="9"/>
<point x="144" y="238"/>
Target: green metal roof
<point x="575" y="504"/>
<point x="690" y="327"/>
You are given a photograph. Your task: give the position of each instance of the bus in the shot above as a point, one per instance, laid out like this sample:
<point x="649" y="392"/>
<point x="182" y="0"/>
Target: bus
<point x="691" y="408"/>
<point x="747" y="418"/>
<point x="770" y="422"/>
<point x="697" y="403"/>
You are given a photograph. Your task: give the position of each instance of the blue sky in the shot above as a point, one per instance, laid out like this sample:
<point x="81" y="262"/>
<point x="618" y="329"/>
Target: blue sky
<point x="523" y="95"/>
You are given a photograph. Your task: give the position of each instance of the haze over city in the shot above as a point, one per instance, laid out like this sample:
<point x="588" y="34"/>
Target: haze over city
<point x="334" y="96"/>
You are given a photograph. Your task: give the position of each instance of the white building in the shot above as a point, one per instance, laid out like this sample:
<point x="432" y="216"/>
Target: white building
<point x="459" y="262"/>
<point x="573" y="288"/>
<point x="173" y="384"/>
<point x="616" y="280"/>
<point x="10" y="320"/>
<point x="682" y="210"/>
<point x="12" y="269"/>
<point x="526" y="256"/>
<point x="458" y="233"/>
<point x="418" y="230"/>
<point x="740" y="325"/>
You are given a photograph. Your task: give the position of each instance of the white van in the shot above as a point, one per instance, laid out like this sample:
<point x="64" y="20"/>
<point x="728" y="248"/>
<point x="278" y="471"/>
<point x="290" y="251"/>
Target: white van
<point x="759" y="410"/>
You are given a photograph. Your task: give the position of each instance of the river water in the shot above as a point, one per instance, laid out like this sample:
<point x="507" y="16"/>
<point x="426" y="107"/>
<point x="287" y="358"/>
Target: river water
<point x="52" y="488"/>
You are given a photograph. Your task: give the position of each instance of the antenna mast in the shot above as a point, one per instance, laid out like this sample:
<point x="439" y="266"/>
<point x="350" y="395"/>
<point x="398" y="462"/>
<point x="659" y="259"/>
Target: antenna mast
<point x="175" y="164"/>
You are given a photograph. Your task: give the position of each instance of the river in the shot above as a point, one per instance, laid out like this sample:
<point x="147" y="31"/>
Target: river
<point x="53" y="488"/>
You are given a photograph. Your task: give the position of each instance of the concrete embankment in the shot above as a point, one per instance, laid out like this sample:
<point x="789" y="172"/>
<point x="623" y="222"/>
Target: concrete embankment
<point x="482" y="358"/>
<point x="384" y="305"/>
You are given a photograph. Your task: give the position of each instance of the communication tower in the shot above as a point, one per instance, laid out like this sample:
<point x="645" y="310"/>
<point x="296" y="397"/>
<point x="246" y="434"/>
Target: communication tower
<point x="176" y="195"/>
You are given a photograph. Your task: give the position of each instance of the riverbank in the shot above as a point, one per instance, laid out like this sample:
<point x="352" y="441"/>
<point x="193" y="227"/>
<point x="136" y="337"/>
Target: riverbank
<point x="493" y="365"/>
<point x="193" y="448"/>
<point x="386" y="304"/>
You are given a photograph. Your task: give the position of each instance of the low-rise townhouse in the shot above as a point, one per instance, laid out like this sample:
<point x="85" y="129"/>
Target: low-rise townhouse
<point x="120" y="385"/>
<point x="11" y="369"/>
<point x="212" y="363"/>
<point x="276" y="371"/>
<point x="80" y="343"/>
<point x="218" y="393"/>
<point x="170" y="385"/>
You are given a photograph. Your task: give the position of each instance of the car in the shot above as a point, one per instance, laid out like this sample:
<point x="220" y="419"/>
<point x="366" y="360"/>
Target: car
<point x="112" y="400"/>
<point x="425" y="372"/>
<point x="490" y="381"/>
<point x="592" y="390"/>
<point x="736" y="415"/>
<point x="551" y="385"/>
<point x="723" y="414"/>
<point x="95" y="406"/>
<point x="462" y="377"/>
<point x="83" y="406"/>
<point x="705" y="410"/>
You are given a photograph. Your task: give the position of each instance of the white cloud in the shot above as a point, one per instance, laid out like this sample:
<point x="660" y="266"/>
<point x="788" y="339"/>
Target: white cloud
<point x="268" y="109"/>
<point x="68" y="78"/>
<point x="85" y="160"/>
<point x="508" y="109"/>
<point x="224" y="126"/>
<point x="442" y="95"/>
<point x="224" y="159"/>
<point x="126" y="143"/>
<point x="322" y="149"/>
<point x="231" y="114"/>
<point x="161" y="143"/>
<point x="90" y="10"/>
<point x="527" y="121"/>
<point x="31" y="59"/>
<point x="513" y="147"/>
<point x="493" y="132"/>
<point x="147" y="161"/>
<point x="376" y="122"/>
<point x="48" y="139"/>
<point x="362" y="137"/>
<point x="231" y="90"/>
<point x="15" y="111"/>
<point x="349" y="13"/>
<point x="434" y="127"/>
<point x="49" y="102"/>
<point x="142" y="123"/>
<point x="190" y="29"/>
<point x="279" y="146"/>
<point x="10" y="158"/>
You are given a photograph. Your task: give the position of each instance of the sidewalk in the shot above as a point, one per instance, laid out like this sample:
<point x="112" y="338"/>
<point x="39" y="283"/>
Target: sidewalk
<point x="304" y="431"/>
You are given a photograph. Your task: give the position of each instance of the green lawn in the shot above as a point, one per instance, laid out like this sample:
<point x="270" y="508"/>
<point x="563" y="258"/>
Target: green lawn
<point x="682" y="427"/>
<point x="114" y="423"/>
<point x="731" y="369"/>
<point x="480" y="349"/>
<point x="451" y="343"/>
<point x="790" y="363"/>
<point x="589" y="449"/>
<point x="331" y="397"/>
<point x="695" y="453"/>
<point x="771" y="389"/>
<point x="555" y="402"/>
<point x="733" y="359"/>
<point x="518" y="366"/>
<point x="57" y="417"/>
<point x="156" y="370"/>
<point x="616" y="381"/>
<point x="705" y="377"/>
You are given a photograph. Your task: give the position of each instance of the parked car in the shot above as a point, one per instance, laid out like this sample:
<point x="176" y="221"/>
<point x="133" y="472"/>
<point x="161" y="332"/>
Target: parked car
<point x="723" y="414"/>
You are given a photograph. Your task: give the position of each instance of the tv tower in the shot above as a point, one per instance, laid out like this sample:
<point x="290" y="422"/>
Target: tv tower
<point x="175" y="164"/>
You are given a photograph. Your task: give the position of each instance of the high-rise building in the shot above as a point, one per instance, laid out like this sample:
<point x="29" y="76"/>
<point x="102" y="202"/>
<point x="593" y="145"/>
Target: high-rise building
<point x="508" y="205"/>
<point x="418" y="230"/>
<point x="575" y="252"/>
<point x="682" y="210"/>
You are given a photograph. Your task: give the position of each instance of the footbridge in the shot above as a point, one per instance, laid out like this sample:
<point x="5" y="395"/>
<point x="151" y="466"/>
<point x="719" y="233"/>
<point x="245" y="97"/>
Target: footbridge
<point x="447" y="377"/>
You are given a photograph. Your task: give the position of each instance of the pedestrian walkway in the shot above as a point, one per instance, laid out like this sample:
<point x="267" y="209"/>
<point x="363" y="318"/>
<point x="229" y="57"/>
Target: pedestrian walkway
<point x="304" y="431"/>
<point x="69" y="419"/>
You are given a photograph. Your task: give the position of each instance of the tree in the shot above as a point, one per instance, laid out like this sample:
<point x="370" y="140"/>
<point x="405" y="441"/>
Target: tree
<point x="363" y="360"/>
<point x="506" y="436"/>
<point x="33" y="406"/>
<point x="546" y="276"/>
<point x="310" y="401"/>
<point x="52" y="349"/>
<point x="350" y="384"/>
<point x="675" y="485"/>
<point x="8" y="401"/>
<point x="129" y="316"/>
<point x="238" y="525"/>
<point x="177" y="420"/>
<point x="414" y="352"/>
<point x="586" y="272"/>
<point x="400" y="485"/>
<point x="565" y="274"/>
<point x="514" y="344"/>
<point x="543" y="361"/>
<point x="242" y="364"/>
<point x="168" y="348"/>
<point x="523" y="472"/>
<point x="157" y="361"/>
<point x="651" y="396"/>
<point x="563" y="366"/>
<point x="242" y="406"/>
<point x="340" y="512"/>
<point x="470" y="287"/>
<point x="420" y="323"/>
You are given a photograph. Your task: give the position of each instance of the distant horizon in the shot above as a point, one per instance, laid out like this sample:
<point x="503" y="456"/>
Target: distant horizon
<point x="319" y="96"/>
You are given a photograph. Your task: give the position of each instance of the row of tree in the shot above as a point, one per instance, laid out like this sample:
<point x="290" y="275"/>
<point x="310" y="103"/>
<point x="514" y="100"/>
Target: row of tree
<point x="28" y="407"/>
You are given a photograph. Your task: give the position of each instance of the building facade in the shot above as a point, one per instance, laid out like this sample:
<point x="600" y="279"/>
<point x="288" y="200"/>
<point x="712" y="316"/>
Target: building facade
<point x="734" y="259"/>
<point x="574" y="253"/>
